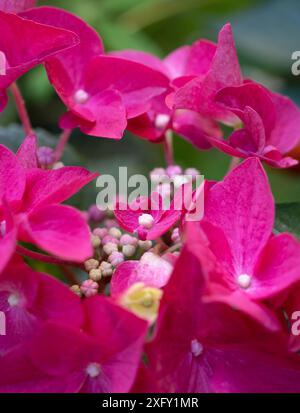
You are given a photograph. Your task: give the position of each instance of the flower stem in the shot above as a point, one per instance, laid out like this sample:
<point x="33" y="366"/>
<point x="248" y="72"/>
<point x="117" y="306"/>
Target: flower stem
<point x="25" y="252"/>
<point x="168" y="148"/>
<point x="21" y="108"/>
<point x="63" y="140"/>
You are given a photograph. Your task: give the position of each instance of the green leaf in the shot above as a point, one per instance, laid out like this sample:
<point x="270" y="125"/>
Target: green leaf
<point x="288" y="218"/>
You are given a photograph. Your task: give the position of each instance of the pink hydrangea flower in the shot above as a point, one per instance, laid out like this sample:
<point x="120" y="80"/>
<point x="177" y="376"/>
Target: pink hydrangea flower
<point x="99" y="105"/>
<point x="29" y="298"/>
<point x="221" y="70"/>
<point x="103" y="358"/>
<point x="239" y="217"/>
<point x="30" y="210"/>
<point x="271" y="124"/>
<point x="202" y="346"/>
<point x="149" y="217"/>
<point x="25" y="44"/>
<point x="182" y="64"/>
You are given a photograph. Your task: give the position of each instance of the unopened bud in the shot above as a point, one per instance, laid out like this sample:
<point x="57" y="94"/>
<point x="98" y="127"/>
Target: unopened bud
<point x="96" y="241"/>
<point x="76" y="289"/>
<point x="116" y="258"/>
<point x="109" y="248"/>
<point x="115" y="232"/>
<point x="95" y="274"/>
<point x="89" y="288"/>
<point x="145" y="245"/>
<point x="91" y="264"/>
<point x="106" y="269"/>
<point x="128" y="250"/>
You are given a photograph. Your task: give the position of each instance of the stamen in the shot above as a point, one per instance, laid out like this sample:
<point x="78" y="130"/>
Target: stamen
<point x="196" y="348"/>
<point x="93" y="370"/>
<point x="146" y="221"/>
<point x="81" y="96"/>
<point x="13" y="299"/>
<point x="244" y="281"/>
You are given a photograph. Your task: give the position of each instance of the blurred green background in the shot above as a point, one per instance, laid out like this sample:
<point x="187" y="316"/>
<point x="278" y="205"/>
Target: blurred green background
<point x="266" y="34"/>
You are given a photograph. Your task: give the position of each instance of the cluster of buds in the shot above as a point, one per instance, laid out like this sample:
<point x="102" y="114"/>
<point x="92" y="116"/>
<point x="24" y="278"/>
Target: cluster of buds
<point x="167" y="180"/>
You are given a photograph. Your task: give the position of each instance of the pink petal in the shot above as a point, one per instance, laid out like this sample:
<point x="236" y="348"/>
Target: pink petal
<point x="151" y="270"/>
<point x="176" y="62"/>
<point x="242" y="205"/>
<point x="285" y="134"/>
<point x="54" y="186"/>
<point x="137" y="83"/>
<point x="27" y="152"/>
<point x="278" y="267"/>
<point x="16" y="6"/>
<point x="198" y="94"/>
<point x="12" y="177"/>
<point x="146" y="59"/>
<point x="61" y="231"/>
<point x="8" y="235"/>
<point x="26" y="44"/>
<point x="69" y="64"/>
<point x="108" y="113"/>
<point x="195" y="128"/>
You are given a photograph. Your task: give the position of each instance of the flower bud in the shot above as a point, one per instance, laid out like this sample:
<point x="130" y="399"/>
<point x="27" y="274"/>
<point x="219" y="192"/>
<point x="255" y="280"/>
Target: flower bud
<point x="128" y="250"/>
<point x="76" y="289"/>
<point x="146" y="221"/>
<point x="110" y="247"/>
<point x="89" y="288"/>
<point x="95" y="274"/>
<point x="96" y="241"/>
<point x="145" y="245"/>
<point x="91" y="264"/>
<point x="115" y="232"/>
<point x="116" y="258"/>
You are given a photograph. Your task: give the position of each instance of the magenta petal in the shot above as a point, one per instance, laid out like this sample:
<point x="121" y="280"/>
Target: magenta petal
<point x="69" y="63"/>
<point x="16" y="6"/>
<point x="195" y="128"/>
<point x="278" y="267"/>
<point x="199" y="94"/>
<point x="121" y="337"/>
<point x="61" y="231"/>
<point x="12" y="176"/>
<point x="242" y="205"/>
<point x="27" y="152"/>
<point x="176" y="62"/>
<point x="54" y="186"/>
<point x="285" y="134"/>
<point x="109" y="115"/>
<point x="8" y="235"/>
<point x="141" y="57"/>
<point x="26" y="43"/>
<point x="137" y="83"/>
<point x="151" y="270"/>
<point x="225" y="147"/>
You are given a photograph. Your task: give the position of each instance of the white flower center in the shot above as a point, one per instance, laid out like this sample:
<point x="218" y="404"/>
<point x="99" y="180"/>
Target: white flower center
<point x="93" y="370"/>
<point x="146" y="221"/>
<point x="161" y="121"/>
<point x="81" y="96"/>
<point x="244" y="280"/>
<point x="196" y="348"/>
<point x="13" y="300"/>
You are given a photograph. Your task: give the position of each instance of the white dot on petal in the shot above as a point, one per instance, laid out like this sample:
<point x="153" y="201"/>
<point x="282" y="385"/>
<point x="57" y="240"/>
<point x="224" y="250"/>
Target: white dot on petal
<point x="244" y="280"/>
<point x="81" y="96"/>
<point x="13" y="300"/>
<point x="93" y="370"/>
<point x="162" y="120"/>
<point x="146" y="221"/>
<point x="196" y="348"/>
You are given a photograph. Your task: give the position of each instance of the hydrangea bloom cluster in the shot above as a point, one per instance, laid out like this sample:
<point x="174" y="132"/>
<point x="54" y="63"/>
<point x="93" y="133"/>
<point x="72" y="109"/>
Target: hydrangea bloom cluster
<point x="160" y="304"/>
